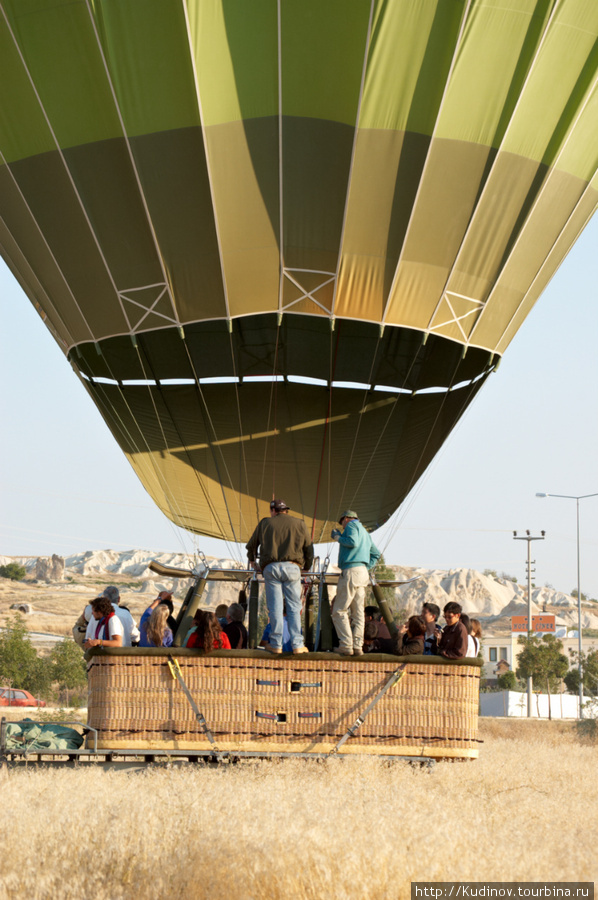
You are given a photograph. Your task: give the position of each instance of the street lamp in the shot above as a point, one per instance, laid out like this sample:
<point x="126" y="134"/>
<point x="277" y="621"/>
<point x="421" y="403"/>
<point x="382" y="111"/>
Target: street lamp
<point x="577" y="498"/>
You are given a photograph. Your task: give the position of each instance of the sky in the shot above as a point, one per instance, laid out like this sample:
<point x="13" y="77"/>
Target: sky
<point x="65" y="486"/>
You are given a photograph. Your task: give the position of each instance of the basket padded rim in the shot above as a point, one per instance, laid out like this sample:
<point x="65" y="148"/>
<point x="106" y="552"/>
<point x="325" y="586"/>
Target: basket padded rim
<point x="182" y="652"/>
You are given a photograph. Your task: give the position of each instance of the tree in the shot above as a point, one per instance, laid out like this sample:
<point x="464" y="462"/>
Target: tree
<point x="20" y="665"/>
<point x="507" y="681"/>
<point x="13" y="571"/>
<point x="543" y="660"/>
<point x="68" y="667"/>
<point x="589" y="666"/>
<point x="571" y="680"/>
<point x="584" y="597"/>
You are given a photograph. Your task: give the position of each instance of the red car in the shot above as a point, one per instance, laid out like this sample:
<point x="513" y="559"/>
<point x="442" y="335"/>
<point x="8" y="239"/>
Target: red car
<point x="11" y="697"/>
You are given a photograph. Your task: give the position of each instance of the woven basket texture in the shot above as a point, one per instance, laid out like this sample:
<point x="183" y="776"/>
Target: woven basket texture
<point x="282" y="701"/>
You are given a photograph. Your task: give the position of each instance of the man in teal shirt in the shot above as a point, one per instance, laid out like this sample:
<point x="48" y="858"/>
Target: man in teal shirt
<point x="356" y="554"/>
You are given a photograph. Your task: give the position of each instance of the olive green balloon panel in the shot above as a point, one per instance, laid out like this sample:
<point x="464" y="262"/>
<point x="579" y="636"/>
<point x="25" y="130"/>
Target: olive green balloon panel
<point x="284" y="244"/>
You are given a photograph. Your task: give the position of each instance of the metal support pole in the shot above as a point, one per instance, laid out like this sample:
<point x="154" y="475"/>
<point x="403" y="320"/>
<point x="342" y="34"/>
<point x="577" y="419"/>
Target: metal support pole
<point x="529" y="538"/>
<point x="384" y="607"/>
<point x="577" y="498"/>
<point x="243" y="599"/>
<point x="254" y="597"/>
<point x="579" y="631"/>
<point x="322" y="593"/>
<point x="325" y="621"/>
<point x="309" y="624"/>
<point x="530" y="686"/>
<point x="188" y="609"/>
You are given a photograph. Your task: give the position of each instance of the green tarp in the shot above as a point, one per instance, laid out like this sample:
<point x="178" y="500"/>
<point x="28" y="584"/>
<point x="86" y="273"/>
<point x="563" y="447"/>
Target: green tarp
<point x="32" y="737"/>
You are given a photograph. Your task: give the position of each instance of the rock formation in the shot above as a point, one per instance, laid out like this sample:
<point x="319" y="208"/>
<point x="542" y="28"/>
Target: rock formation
<point x="25" y="608"/>
<point x="48" y="570"/>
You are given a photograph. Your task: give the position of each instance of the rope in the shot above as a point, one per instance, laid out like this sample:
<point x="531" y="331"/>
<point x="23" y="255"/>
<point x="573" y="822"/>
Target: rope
<point x="121" y="426"/>
<point x="181" y="441"/>
<point x="214" y="457"/>
<point x="403" y="512"/>
<point x="394" y="407"/>
<point x="243" y="460"/>
<point x="332" y="370"/>
<point x="394" y="678"/>
<point x="268" y="428"/>
<point x="361" y="412"/>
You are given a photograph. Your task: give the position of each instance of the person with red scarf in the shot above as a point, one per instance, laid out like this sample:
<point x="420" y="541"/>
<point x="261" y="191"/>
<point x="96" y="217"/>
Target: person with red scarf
<point x="105" y="628"/>
<point x="208" y="634"/>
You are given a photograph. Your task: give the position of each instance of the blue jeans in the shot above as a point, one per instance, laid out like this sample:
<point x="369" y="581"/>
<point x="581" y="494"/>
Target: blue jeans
<point x="283" y="580"/>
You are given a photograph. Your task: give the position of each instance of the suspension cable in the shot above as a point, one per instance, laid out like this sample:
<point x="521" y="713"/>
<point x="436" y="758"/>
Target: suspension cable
<point x="125" y="431"/>
<point x="326" y="425"/>
<point x="172" y="420"/>
<point x="212" y="445"/>
<point x="360" y="416"/>
<point x="271" y="406"/>
<point x="243" y="460"/>
<point x="402" y="513"/>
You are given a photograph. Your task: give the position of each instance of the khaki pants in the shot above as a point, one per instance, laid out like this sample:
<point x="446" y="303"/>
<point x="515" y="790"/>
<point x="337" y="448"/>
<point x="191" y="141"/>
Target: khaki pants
<point x="349" y="602"/>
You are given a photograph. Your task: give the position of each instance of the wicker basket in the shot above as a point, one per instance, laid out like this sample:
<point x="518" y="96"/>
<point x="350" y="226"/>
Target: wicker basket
<point x="302" y="704"/>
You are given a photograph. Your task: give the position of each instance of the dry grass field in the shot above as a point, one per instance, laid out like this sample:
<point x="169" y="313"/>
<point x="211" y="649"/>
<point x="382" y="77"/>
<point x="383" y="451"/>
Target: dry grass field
<point x="356" y="828"/>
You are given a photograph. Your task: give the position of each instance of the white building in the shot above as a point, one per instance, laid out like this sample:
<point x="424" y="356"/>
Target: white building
<point x="505" y="648"/>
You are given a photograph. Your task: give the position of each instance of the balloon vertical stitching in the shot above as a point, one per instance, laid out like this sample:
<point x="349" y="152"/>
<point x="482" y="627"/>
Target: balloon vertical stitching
<point x="458" y="43"/>
<point x="207" y="155"/>
<point x="529" y="215"/>
<point x="353" y="152"/>
<point x="135" y="173"/>
<point x="541" y="269"/>
<point x="280" y="173"/>
<point x="485" y="188"/>
<point x="55" y="261"/>
<point x="66" y="168"/>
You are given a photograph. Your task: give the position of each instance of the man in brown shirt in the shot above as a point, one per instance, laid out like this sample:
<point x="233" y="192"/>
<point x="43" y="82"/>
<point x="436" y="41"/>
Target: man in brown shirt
<point x="285" y="549"/>
<point x="453" y="641"/>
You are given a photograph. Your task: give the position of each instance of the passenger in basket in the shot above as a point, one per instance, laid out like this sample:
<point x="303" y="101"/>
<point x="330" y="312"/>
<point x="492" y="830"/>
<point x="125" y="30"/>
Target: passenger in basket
<point x="235" y="629"/>
<point x="430" y="614"/>
<point x="410" y="639"/>
<point x="220" y="613"/>
<point x="105" y="629"/>
<point x="453" y="641"/>
<point x="157" y="633"/>
<point x="370" y="637"/>
<point x="357" y="553"/>
<point x="475" y="635"/>
<point x="287" y="646"/>
<point x="470" y="644"/>
<point x="285" y="550"/>
<point x="208" y="634"/>
<point x="384" y="642"/>
<point x="164" y="598"/>
<point x="130" y="630"/>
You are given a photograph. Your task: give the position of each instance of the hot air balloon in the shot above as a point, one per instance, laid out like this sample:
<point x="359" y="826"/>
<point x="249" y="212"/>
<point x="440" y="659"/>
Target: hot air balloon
<point x="283" y="244"/>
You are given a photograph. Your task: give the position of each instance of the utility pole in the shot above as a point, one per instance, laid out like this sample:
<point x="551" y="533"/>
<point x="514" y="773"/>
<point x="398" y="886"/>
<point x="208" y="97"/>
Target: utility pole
<point x="529" y="538"/>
